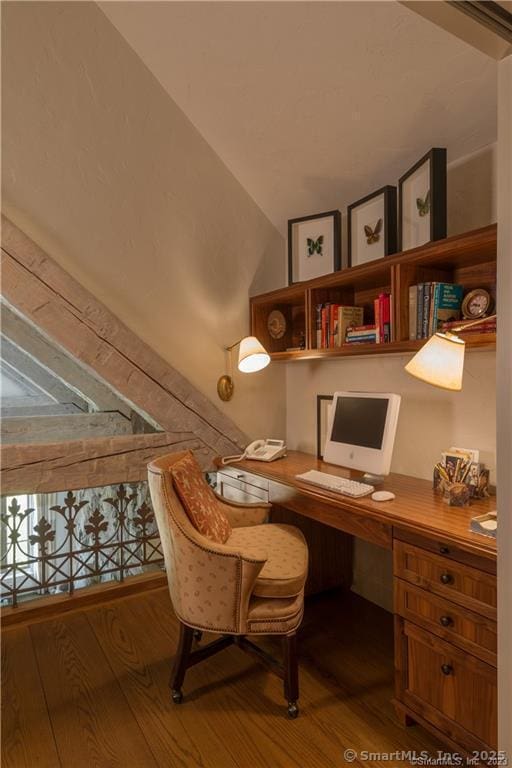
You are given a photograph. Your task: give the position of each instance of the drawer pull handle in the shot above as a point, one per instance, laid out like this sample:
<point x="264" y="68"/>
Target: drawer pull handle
<point x="447" y="669"/>
<point x="446" y="578"/>
<point x="446" y="621"/>
<point x="444" y="550"/>
<point x="239" y="477"/>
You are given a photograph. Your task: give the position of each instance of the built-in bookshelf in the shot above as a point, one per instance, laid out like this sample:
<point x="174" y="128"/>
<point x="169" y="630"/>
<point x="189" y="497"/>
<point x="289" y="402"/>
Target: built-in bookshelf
<point x="468" y="259"/>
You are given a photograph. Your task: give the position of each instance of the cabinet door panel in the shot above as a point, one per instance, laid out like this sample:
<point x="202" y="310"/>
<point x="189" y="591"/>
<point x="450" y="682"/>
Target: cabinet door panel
<point x="458" y="686"/>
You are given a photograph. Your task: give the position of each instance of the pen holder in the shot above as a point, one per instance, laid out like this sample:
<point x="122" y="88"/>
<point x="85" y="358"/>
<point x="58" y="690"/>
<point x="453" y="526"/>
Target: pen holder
<point x="457" y="494"/>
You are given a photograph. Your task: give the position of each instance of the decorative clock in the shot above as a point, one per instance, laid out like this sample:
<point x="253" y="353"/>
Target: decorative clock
<point x="477" y="303"/>
<point x="276" y="324"/>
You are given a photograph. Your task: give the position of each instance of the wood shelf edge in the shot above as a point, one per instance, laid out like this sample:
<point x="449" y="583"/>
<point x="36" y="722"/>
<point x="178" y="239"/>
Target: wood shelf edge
<point x="476" y="341"/>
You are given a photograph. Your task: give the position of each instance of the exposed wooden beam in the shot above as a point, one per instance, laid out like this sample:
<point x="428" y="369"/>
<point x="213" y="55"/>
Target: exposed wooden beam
<point x="46" y="294"/>
<point x="48" y="429"/>
<point x="88" y="463"/>
<point x="57" y="409"/>
<point x="36" y="374"/>
<point x="26" y="336"/>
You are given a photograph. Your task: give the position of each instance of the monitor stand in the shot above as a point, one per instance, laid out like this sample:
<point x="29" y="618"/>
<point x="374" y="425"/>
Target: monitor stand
<point x="372" y="479"/>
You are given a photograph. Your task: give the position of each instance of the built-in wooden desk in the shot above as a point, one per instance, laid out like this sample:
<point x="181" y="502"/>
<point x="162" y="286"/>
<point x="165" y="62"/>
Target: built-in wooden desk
<point x="444" y="587"/>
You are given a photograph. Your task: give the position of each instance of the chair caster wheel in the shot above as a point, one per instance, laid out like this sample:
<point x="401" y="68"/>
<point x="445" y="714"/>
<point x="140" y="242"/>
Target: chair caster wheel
<point x="177" y="696"/>
<point x="197" y="635"/>
<point x="293" y="710"/>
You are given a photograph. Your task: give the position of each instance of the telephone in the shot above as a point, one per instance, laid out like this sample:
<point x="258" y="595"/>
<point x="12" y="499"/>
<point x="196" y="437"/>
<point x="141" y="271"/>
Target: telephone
<point x="261" y="450"/>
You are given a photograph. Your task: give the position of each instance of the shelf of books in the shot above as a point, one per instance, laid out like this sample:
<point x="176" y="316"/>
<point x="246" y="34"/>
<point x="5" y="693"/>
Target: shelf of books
<point x="387" y="306"/>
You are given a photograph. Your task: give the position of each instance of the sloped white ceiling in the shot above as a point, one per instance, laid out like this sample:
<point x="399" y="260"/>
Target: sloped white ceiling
<point x="312" y="105"/>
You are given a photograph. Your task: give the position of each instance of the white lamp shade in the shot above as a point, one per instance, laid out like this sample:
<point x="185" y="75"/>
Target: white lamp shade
<point x="252" y="356"/>
<point x="439" y="362"/>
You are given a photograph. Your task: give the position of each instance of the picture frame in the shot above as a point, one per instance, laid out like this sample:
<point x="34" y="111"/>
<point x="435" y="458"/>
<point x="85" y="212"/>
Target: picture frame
<point x="314" y="246"/>
<point x="372" y="226"/>
<point x="323" y="406"/>
<point x="422" y="201"/>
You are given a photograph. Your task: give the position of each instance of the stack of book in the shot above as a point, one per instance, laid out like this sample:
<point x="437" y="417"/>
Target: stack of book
<point x="362" y="334"/>
<point x="332" y="322"/>
<point x="486" y="326"/>
<point x="381" y="331"/>
<point x="337" y="324"/>
<point x="431" y="305"/>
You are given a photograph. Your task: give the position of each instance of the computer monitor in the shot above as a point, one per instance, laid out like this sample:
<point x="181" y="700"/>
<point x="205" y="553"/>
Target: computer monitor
<point x="361" y="431"/>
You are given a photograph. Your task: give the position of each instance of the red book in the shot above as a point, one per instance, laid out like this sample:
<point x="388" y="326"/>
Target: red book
<point x="484" y="328"/>
<point x="361" y="328"/>
<point x="324" y="327"/>
<point x="456" y="323"/>
<point x="333" y="324"/>
<point x="376" y="307"/>
<point x="384" y="317"/>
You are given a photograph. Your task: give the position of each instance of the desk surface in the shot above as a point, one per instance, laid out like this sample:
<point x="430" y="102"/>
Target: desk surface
<point x="416" y="507"/>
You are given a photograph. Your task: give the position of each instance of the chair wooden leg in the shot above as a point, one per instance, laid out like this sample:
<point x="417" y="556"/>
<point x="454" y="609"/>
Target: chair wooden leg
<point x="181" y="662"/>
<point x="291" y="674"/>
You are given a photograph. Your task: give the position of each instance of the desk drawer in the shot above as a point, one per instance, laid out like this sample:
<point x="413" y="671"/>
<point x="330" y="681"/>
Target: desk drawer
<point x="466" y="629"/>
<point x="450" y="687"/>
<point x="244" y="477"/>
<point x="240" y="492"/>
<point x="462" y="584"/>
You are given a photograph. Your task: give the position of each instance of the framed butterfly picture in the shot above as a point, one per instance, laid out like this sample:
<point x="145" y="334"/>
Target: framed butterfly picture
<point x="371" y="225"/>
<point x="422" y="201"/>
<point x="314" y="246"/>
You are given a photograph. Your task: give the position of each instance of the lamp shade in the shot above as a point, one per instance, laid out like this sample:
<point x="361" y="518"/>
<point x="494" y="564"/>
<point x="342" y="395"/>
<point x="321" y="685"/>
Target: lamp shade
<point x="440" y="362"/>
<point x="252" y="355"/>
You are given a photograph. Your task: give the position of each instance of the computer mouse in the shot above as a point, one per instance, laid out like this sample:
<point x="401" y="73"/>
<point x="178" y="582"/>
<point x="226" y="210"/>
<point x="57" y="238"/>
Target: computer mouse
<point x="383" y="496"/>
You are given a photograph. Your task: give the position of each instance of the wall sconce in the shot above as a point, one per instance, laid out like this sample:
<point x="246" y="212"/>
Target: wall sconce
<point x="440" y="361"/>
<point x="252" y="357"/>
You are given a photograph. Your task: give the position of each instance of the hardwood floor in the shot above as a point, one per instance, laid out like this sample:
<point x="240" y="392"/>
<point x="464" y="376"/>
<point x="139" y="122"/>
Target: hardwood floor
<point x="90" y="688"/>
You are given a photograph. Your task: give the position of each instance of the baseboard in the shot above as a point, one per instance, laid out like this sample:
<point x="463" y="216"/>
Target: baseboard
<point x="44" y="608"/>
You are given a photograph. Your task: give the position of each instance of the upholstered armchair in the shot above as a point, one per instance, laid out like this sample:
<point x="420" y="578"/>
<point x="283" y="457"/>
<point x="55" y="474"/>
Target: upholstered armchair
<point x="250" y="581"/>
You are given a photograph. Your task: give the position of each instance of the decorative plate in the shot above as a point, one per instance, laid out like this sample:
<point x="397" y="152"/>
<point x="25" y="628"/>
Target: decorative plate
<point x="276" y="324"/>
<point x="476" y="304"/>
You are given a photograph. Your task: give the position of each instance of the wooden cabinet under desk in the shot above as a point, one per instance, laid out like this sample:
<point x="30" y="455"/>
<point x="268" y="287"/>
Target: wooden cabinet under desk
<point x="446" y="640"/>
<point x="444" y="580"/>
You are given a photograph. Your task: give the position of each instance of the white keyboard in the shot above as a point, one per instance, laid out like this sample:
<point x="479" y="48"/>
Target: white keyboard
<point x="335" y="483"/>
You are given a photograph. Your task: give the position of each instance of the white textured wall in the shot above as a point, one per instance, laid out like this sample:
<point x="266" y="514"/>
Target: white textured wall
<point x="107" y="174"/>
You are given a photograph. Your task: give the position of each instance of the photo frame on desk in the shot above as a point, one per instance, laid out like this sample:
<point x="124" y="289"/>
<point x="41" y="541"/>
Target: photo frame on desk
<point x="323" y="407"/>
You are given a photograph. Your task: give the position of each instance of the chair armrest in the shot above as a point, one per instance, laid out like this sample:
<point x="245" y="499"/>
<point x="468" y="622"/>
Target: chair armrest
<point x="242" y="515"/>
<point x="230" y="576"/>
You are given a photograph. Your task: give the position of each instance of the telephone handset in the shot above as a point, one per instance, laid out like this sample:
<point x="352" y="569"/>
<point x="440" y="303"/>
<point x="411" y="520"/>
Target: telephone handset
<point x="260" y="450"/>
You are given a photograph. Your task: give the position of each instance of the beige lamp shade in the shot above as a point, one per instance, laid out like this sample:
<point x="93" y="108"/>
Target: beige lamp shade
<point x="252" y="356"/>
<point x="440" y="362"/>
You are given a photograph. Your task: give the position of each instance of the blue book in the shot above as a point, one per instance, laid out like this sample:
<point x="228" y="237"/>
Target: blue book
<point x="369" y="337"/>
<point x="419" y="310"/>
<point x="447" y="304"/>
<point x="427" y="288"/>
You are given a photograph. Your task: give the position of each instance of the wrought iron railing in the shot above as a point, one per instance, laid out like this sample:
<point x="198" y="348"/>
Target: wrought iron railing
<point x="62" y="541"/>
